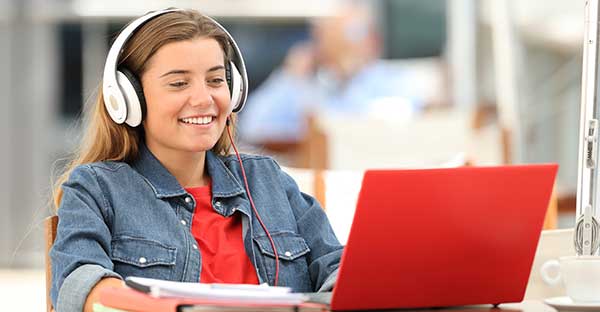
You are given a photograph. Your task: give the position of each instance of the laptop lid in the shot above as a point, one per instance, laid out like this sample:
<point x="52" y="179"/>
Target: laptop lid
<point x="443" y="237"/>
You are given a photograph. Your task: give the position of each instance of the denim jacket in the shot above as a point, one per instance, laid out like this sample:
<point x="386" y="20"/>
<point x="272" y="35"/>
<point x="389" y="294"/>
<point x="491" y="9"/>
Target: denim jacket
<point x="118" y="219"/>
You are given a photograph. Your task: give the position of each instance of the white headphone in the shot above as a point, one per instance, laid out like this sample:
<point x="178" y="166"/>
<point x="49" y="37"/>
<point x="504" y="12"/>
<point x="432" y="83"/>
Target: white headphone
<point x="123" y="94"/>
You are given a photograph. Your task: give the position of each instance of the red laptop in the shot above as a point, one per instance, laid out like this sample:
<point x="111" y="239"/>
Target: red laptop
<point x="443" y="237"/>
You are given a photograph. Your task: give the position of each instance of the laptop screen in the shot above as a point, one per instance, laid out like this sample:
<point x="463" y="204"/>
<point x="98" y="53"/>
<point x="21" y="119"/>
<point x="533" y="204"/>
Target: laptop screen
<point x="443" y="237"/>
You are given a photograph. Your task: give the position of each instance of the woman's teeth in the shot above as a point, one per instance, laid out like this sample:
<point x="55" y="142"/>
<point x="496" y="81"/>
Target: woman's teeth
<point x="198" y="120"/>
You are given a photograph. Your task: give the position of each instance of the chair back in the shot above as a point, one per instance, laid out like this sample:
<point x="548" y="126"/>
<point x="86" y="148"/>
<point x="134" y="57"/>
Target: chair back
<point x="434" y="139"/>
<point x="50" y="224"/>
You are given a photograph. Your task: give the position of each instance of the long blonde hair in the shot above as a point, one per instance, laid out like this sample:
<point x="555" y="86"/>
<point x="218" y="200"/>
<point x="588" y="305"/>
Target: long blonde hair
<point x="105" y="140"/>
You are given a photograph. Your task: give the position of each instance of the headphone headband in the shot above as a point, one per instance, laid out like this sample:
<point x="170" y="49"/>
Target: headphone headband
<point x="116" y="101"/>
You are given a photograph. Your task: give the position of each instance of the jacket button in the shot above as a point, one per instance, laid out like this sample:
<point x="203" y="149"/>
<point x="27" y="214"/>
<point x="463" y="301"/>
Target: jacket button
<point x="188" y="199"/>
<point x="142" y="260"/>
<point x="288" y="254"/>
<point x="195" y="247"/>
<point x="183" y="222"/>
<point x="218" y="203"/>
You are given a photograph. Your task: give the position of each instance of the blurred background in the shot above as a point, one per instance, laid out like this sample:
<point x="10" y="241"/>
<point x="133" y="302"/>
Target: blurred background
<point x="388" y="83"/>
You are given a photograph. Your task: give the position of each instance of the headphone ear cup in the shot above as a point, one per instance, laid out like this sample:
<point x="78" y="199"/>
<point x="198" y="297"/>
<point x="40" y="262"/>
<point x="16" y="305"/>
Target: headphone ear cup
<point x="235" y="87"/>
<point x="134" y="96"/>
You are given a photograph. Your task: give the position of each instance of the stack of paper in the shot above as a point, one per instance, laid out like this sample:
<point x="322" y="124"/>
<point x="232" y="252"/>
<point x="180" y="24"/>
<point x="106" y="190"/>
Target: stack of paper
<point x="152" y="295"/>
<point x="226" y="292"/>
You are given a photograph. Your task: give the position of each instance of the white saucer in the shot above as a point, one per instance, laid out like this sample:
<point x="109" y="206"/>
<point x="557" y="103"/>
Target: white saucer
<point x="567" y="304"/>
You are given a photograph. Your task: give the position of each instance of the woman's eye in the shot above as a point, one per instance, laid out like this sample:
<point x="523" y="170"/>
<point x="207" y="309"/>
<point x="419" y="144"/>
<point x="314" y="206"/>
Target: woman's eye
<point x="178" y="84"/>
<point x="216" y="81"/>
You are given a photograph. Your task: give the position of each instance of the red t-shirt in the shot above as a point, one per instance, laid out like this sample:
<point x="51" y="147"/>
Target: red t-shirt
<point x="219" y="238"/>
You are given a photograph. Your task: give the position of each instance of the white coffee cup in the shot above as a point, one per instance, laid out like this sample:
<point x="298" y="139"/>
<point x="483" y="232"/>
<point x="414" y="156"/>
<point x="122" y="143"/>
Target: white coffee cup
<point x="579" y="274"/>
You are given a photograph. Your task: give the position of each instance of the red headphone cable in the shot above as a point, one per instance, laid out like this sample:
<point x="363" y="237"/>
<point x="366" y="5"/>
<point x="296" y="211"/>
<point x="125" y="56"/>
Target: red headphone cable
<point x="254" y="207"/>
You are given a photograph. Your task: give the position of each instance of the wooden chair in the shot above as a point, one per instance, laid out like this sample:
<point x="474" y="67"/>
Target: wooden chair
<point x="431" y="140"/>
<point x="50" y="224"/>
<point x="551" y="220"/>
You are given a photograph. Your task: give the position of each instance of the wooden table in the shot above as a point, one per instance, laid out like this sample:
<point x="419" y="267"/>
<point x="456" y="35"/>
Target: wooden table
<point x="525" y="306"/>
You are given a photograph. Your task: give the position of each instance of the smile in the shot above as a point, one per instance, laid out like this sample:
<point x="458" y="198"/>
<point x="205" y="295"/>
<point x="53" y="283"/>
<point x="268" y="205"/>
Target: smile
<point x="198" y="120"/>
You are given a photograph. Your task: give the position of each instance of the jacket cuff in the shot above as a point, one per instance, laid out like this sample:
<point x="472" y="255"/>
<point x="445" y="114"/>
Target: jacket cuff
<point x="77" y="286"/>
<point x="329" y="282"/>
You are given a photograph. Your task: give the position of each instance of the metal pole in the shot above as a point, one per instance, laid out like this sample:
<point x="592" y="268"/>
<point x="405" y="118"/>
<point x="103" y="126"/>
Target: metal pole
<point x="587" y="228"/>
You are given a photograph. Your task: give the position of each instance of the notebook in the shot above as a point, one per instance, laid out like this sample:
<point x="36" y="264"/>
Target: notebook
<point x="443" y="237"/>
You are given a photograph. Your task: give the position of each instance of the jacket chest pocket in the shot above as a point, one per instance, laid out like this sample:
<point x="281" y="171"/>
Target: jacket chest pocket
<point x="134" y="256"/>
<point x="292" y="250"/>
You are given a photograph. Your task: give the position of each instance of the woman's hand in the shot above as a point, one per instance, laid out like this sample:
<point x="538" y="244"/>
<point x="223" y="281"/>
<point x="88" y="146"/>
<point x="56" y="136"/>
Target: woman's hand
<point x="94" y="295"/>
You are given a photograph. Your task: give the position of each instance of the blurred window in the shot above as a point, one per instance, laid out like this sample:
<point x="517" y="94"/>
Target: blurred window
<point x="414" y="28"/>
<point x="265" y="44"/>
<point x="70" y="70"/>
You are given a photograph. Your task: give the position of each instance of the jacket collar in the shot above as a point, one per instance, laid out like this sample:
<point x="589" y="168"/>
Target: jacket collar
<point x="164" y="184"/>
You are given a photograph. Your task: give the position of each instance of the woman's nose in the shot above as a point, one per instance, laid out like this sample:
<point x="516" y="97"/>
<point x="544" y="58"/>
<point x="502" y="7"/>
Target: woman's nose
<point x="201" y="96"/>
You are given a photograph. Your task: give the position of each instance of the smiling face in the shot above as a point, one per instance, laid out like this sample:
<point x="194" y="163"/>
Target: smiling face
<point x="187" y="97"/>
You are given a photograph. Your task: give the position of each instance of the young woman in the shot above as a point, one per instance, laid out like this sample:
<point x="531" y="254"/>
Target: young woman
<point x="153" y="190"/>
